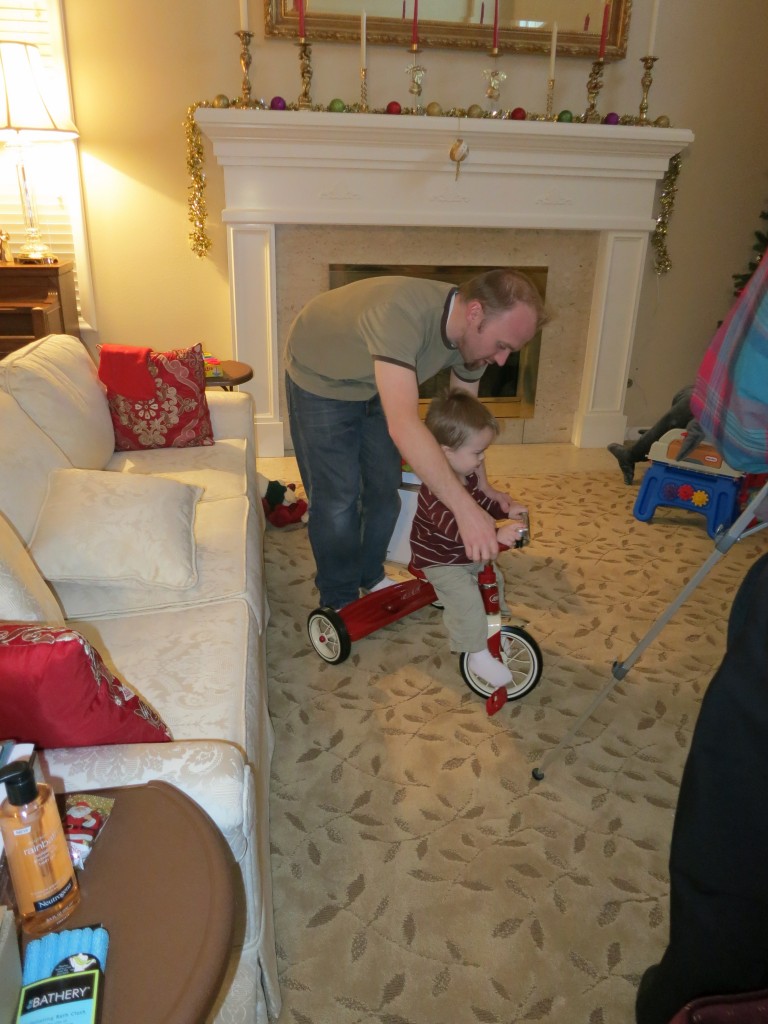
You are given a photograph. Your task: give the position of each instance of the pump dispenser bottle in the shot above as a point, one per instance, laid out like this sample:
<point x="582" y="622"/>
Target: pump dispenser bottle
<point x="38" y="859"/>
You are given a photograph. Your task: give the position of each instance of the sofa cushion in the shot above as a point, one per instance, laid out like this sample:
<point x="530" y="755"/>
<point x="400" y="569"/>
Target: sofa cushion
<point x="107" y="528"/>
<point x="54" y="381"/>
<point x="220" y="469"/>
<point x="24" y="594"/>
<point x="175" y="416"/>
<point x="27" y="456"/>
<point x="55" y="691"/>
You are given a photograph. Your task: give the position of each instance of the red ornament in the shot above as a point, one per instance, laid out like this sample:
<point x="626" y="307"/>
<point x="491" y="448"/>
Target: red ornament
<point x="518" y="114"/>
<point x="394" y="107"/>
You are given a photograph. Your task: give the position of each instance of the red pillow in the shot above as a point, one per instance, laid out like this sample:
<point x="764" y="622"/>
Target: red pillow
<point x="55" y="691"/>
<point x="175" y="416"/>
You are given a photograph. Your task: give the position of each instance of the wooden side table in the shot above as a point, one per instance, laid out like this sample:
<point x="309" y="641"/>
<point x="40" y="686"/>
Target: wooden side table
<point x="35" y="301"/>
<point x="161" y="880"/>
<point x="232" y="374"/>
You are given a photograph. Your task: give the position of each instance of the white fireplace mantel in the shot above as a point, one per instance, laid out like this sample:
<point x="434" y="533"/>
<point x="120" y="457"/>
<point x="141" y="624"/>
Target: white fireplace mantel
<point x="288" y="167"/>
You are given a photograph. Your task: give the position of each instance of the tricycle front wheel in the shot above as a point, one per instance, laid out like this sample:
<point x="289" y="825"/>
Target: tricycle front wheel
<point x="521" y="654"/>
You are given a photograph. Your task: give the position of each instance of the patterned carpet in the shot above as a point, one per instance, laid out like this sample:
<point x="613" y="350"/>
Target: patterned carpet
<point x="421" y="876"/>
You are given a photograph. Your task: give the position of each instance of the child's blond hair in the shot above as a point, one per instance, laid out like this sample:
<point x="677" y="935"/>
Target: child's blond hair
<point x="455" y="415"/>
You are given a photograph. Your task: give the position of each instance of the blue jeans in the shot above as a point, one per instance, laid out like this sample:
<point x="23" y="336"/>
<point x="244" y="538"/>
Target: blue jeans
<point x="351" y="471"/>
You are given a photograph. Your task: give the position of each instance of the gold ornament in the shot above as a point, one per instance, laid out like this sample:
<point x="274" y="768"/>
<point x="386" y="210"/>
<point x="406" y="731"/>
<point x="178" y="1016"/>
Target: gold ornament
<point x="662" y="264"/>
<point x="220" y="102"/>
<point x="475" y="110"/>
<point x="199" y="241"/>
<point x="434" y="109"/>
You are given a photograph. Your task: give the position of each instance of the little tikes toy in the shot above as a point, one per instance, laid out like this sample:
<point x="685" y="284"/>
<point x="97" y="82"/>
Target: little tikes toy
<point x="332" y="633"/>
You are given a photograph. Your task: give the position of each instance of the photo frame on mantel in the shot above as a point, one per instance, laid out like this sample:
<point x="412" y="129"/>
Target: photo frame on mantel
<point x="525" y="26"/>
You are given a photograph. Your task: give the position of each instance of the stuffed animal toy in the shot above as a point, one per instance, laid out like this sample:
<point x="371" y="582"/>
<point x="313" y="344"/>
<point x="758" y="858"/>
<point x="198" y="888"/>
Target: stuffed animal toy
<point x="282" y="507"/>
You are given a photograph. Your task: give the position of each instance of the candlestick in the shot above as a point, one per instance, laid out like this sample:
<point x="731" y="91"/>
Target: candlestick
<point x="552" y="51"/>
<point x="652" y="32"/>
<point x="416" y="72"/>
<point x="302" y="34"/>
<point x="604" y="33"/>
<point x="496" y="25"/>
<point x="646" y="82"/>
<point x="245" y="63"/>
<point x="495" y="80"/>
<point x="243" y="15"/>
<point x="482" y="13"/>
<point x="594" y="85"/>
<point x="549" y="115"/>
<point x="305" y="67"/>
<point x="364" y="90"/>
<point x="363" y="61"/>
<point x="415" y="29"/>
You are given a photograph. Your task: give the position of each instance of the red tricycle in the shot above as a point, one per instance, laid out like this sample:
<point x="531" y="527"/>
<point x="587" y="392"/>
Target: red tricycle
<point x="332" y="633"/>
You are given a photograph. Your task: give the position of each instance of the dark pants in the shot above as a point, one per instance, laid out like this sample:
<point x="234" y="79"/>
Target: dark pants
<point x="718" y="914"/>
<point x="678" y="417"/>
<point x="351" y="472"/>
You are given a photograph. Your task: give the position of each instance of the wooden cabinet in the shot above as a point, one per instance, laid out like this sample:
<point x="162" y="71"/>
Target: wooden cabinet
<point x="35" y="301"/>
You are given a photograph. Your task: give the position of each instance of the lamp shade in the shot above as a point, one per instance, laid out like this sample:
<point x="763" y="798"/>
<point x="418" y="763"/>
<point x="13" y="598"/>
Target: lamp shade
<point x="27" y="104"/>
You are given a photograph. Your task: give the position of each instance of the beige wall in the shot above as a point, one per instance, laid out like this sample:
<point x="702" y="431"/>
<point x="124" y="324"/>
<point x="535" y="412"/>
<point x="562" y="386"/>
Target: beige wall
<point x="137" y="67"/>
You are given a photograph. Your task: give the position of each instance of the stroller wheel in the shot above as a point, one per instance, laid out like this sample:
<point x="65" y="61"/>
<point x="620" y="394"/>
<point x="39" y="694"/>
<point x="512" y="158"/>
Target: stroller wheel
<point x="521" y="654"/>
<point x="328" y="635"/>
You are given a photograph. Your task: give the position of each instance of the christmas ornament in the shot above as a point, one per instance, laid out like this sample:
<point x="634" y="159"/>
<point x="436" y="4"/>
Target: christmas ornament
<point x="611" y="118"/>
<point x="277" y="103"/>
<point x="475" y="110"/>
<point x="393" y="107"/>
<point x="662" y="121"/>
<point x="565" y="116"/>
<point x="518" y="114"/>
<point x="220" y="102"/>
<point x="337" y="106"/>
<point x="434" y="109"/>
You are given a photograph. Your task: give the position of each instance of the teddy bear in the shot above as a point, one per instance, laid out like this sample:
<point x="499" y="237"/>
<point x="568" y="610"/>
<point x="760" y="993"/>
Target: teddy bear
<point x="282" y="506"/>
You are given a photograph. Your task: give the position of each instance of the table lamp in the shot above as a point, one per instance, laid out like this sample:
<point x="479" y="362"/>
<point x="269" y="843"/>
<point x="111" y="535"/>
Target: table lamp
<point x="28" y="114"/>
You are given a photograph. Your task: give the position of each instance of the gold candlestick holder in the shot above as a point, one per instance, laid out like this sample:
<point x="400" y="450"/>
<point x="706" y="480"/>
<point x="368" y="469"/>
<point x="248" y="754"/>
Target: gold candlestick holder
<point x="549" y="114"/>
<point x="594" y="85"/>
<point x="364" y="90"/>
<point x="245" y="63"/>
<point x="305" y="67"/>
<point x="416" y="73"/>
<point x="646" y="82"/>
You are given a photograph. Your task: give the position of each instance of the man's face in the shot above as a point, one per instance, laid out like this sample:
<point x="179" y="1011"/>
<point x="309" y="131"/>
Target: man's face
<point x="490" y="339"/>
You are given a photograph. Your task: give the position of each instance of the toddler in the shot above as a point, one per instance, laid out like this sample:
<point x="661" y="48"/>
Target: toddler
<point x="464" y="428"/>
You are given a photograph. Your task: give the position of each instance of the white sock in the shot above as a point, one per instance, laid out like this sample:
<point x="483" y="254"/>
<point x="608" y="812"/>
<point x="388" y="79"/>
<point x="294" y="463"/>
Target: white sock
<point x="489" y="668"/>
<point x="383" y="584"/>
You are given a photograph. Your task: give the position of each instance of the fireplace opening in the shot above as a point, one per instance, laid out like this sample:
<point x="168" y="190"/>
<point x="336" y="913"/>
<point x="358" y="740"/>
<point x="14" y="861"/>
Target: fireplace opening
<point x="509" y="390"/>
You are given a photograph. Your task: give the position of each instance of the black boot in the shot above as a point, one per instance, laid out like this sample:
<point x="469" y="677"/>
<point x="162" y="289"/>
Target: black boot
<point x="626" y="465"/>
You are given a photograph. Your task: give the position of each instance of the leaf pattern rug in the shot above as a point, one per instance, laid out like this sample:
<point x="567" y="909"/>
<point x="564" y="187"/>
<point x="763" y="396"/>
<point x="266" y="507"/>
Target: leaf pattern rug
<point x="421" y="876"/>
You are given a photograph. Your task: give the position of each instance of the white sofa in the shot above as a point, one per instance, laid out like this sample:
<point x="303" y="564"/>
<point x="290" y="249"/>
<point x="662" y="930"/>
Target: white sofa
<point x="196" y="654"/>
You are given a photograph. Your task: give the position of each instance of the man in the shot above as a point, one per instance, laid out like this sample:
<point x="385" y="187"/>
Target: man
<point x="354" y="360"/>
<point x="678" y="415"/>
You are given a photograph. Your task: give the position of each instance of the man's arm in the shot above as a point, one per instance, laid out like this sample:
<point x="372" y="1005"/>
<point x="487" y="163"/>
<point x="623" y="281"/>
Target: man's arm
<point x="399" y="393"/>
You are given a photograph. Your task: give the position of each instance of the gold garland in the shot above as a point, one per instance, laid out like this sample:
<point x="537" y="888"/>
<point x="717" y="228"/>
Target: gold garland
<point x="199" y="241"/>
<point x="662" y="264"/>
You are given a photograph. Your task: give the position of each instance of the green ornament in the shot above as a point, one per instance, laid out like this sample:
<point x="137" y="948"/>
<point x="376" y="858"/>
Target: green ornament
<point x="475" y="110"/>
<point x="434" y="109"/>
<point x="566" y="116"/>
<point x="337" y="106"/>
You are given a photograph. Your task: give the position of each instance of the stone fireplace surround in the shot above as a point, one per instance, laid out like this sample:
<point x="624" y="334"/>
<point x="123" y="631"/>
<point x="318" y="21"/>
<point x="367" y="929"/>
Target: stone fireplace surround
<point x="303" y="190"/>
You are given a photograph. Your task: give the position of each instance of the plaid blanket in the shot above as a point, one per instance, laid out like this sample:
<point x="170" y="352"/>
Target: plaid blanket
<point x="730" y="398"/>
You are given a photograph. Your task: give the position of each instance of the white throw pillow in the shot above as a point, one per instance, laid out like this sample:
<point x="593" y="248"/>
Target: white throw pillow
<point x="24" y="594"/>
<point x="102" y="527"/>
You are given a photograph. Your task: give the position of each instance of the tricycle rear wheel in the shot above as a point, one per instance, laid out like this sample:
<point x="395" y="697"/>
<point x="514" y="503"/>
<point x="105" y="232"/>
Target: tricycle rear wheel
<point x="521" y="655"/>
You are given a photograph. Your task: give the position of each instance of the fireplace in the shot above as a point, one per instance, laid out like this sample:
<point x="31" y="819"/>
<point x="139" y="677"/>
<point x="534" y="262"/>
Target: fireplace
<point x="303" y="190"/>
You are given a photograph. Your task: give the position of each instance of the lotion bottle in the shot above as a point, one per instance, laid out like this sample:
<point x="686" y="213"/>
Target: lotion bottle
<point x="41" y="869"/>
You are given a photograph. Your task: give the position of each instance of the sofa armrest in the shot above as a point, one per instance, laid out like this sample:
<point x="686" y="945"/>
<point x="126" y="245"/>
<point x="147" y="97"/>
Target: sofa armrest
<point x="231" y="413"/>
<point x="212" y="773"/>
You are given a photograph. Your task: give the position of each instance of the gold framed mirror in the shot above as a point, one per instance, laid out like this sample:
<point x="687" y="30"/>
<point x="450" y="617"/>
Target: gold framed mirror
<point x="525" y="26"/>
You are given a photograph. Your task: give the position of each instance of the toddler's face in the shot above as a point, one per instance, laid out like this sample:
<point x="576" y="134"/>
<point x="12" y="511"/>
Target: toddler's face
<point x="469" y="457"/>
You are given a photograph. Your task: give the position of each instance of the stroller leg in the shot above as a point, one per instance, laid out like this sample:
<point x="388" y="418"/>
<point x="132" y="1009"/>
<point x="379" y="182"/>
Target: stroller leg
<point x="723" y="543"/>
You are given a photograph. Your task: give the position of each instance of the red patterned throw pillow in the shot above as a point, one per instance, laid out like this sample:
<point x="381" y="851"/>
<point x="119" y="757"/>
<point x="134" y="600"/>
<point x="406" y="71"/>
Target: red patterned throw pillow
<point x="170" y="412"/>
<point x="55" y="691"/>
